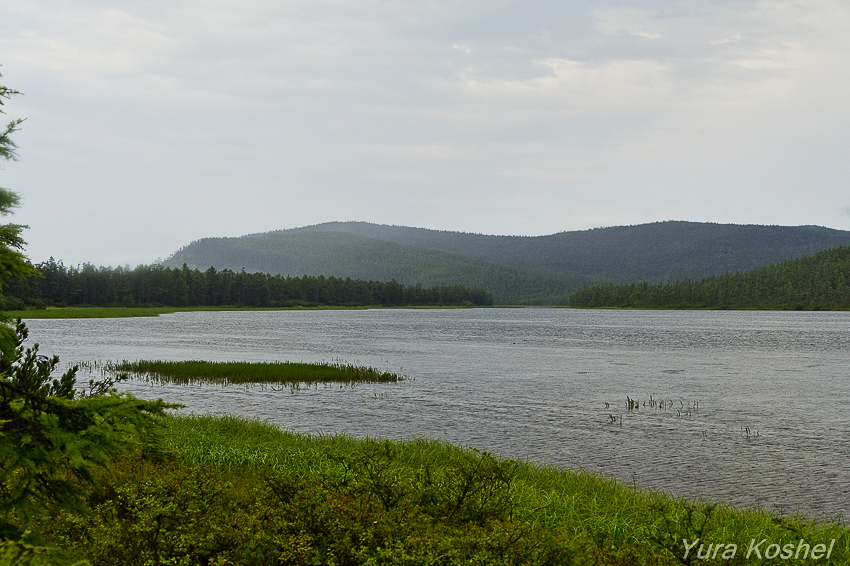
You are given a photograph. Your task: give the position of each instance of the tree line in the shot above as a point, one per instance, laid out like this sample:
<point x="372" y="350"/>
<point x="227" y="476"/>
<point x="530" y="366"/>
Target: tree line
<point x="819" y="281"/>
<point x="361" y="257"/>
<point x="53" y="436"/>
<point x="156" y="285"/>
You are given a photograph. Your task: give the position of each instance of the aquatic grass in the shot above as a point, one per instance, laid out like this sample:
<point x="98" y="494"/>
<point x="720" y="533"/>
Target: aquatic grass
<point x="660" y="404"/>
<point x="748" y="432"/>
<point x="279" y="373"/>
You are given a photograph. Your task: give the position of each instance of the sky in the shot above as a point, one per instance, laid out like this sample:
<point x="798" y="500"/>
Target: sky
<point x="151" y="124"/>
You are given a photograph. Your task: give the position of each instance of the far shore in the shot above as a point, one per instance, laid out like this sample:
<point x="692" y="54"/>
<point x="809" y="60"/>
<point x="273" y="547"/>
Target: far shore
<point x="125" y="312"/>
<point x="128" y="312"/>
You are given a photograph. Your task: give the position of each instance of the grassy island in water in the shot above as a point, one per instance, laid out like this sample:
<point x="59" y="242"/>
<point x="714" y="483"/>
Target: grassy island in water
<point x="287" y="373"/>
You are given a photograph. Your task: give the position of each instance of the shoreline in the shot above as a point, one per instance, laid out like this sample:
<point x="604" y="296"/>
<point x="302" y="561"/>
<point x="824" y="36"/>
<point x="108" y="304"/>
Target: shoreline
<point x="414" y="498"/>
<point x="131" y="312"/>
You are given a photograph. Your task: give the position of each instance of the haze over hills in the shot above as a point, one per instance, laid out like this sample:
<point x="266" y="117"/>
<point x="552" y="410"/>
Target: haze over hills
<point x="661" y="251"/>
<point x="359" y="257"/>
<point x="515" y="269"/>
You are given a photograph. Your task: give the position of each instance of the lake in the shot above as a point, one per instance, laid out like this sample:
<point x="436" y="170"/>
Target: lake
<point x="755" y="406"/>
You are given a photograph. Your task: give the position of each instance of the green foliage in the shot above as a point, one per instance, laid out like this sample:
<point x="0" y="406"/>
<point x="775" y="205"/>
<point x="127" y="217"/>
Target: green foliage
<point x="7" y="146"/>
<point x="159" y="514"/>
<point x="364" y="510"/>
<point x="282" y="373"/>
<point x="13" y="263"/>
<point x="156" y="285"/>
<point x="245" y="492"/>
<point x="53" y="436"/>
<point x="516" y="269"/>
<point x="359" y="257"/>
<point x="20" y="553"/>
<point x="820" y="281"/>
<point x="345" y="268"/>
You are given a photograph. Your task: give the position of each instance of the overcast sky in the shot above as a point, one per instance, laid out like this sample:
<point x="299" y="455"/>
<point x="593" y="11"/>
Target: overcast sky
<point x="150" y="124"/>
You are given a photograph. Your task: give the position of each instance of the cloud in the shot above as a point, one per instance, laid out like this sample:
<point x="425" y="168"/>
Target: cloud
<point x="569" y="88"/>
<point x="615" y="110"/>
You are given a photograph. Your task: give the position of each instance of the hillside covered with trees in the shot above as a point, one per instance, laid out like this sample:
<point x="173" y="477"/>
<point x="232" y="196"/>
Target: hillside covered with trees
<point x="155" y="285"/>
<point x="359" y="257"/>
<point x="660" y="251"/>
<point x="820" y="281"/>
<point x="514" y="269"/>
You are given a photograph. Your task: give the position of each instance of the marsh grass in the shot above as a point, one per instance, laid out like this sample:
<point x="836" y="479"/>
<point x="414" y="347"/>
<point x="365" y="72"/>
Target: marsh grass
<point x="277" y="373"/>
<point x="91" y="312"/>
<point x="685" y="409"/>
<point x="541" y="493"/>
<point x="128" y="312"/>
<point x="593" y="505"/>
<point x="225" y="490"/>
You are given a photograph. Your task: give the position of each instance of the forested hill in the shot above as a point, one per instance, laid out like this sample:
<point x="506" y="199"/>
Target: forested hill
<point x="661" y="251"/>
<point x="514" y="269"/>
<point x="358" y="257"/>
<point x="820" y="281"/>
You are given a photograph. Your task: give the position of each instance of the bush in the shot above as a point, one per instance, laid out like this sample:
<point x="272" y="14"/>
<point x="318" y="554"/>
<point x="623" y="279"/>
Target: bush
<point x="53" y="436"/>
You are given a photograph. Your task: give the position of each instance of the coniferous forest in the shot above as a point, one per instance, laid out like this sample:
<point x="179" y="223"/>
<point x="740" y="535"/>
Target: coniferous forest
<point x="819" y="281"/>
<point x="155" y="285"/>
<point x="660" y="251"/>
<point x="516" y="270"/>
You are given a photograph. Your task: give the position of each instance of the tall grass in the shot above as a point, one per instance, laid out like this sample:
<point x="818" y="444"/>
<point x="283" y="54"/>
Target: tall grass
<point x="595" y="506"/>
<point x="281" y="373"/>
<point x="225" y="490"/>
<point x="91" y="312"/>
<point x="127" y="312"/>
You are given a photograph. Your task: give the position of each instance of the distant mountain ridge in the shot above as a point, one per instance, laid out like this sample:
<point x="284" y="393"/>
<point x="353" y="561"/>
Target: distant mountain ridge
<point x="515" y="269"/>
<point x="645" y="252"/>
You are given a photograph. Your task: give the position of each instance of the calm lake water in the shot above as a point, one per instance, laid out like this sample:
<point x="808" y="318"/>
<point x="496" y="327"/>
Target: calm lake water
<point x="773" y="392"/>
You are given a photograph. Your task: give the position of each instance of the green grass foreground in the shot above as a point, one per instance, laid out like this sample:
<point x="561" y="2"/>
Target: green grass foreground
<point x="283" y="373"/>
<point x="224" y="490"/>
